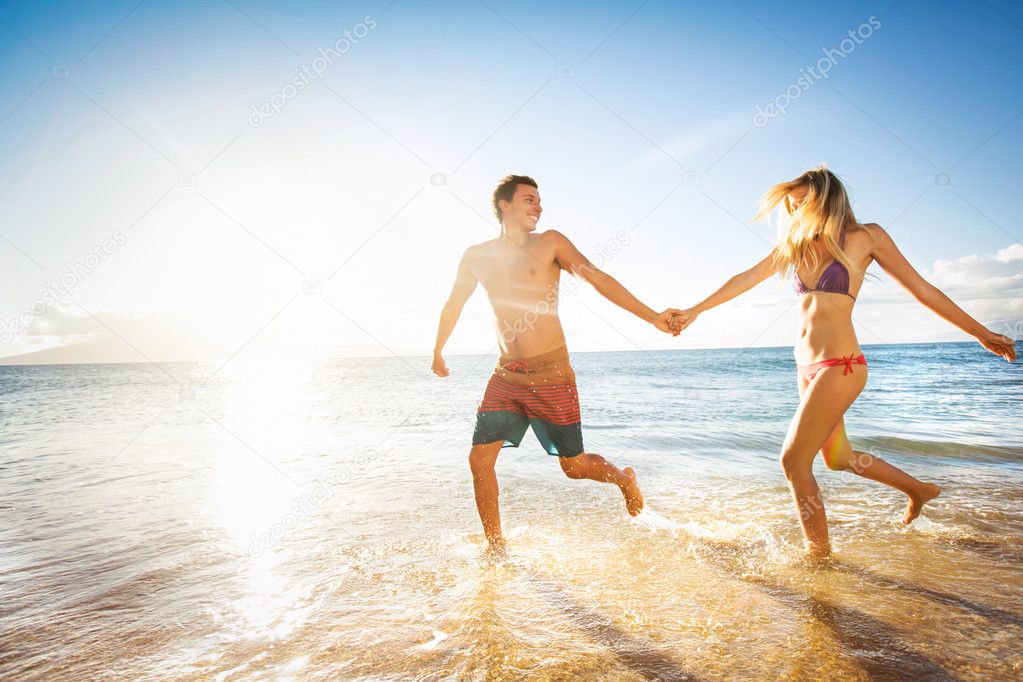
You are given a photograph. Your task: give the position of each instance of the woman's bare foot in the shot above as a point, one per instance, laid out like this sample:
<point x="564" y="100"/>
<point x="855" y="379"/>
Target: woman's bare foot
<point x="916" y="502"/>
<point x="633" y="496"/>
<point x="496" y="550"/>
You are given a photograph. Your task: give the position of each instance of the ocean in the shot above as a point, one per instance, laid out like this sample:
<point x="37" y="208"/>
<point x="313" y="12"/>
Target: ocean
<point x="315" y="520"/>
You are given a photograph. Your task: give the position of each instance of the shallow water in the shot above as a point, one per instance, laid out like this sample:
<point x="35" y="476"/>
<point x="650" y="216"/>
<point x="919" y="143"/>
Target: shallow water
<point x="317" y="522"/>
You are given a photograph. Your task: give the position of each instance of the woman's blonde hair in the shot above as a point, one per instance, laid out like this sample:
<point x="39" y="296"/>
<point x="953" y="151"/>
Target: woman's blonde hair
<point x="821" y="217"/>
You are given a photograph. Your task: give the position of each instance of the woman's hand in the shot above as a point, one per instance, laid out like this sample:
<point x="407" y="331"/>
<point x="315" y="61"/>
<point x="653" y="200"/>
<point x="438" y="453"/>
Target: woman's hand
<point x="664" y="321"/>
<point x="998" y="344"/>
<point x="682" y="319"/>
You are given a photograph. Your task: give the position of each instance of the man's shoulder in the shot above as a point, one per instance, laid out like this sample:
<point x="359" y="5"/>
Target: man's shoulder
<point x="481" y="248"/>
<point x="552" y="236"/>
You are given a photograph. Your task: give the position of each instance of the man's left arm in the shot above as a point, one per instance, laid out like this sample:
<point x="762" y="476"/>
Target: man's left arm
<point x="572" y="260"/>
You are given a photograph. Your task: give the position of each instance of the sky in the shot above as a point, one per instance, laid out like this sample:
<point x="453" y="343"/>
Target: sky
<point x="240" y="180"/>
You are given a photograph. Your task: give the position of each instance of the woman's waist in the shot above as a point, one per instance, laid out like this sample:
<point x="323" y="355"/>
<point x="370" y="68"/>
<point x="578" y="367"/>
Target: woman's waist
<point x="817" y="346"/>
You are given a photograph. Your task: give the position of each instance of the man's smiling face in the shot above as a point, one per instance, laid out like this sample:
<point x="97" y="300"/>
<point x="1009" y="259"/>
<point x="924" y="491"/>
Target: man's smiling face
<point x="524" y="208"/>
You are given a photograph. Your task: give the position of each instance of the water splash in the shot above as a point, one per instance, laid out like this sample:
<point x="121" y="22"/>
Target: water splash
<point x="438" y="637"/>
<point x="653" y="521"/>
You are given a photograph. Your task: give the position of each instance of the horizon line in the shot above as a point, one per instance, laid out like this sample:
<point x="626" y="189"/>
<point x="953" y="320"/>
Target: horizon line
<point x="456" y="355"/>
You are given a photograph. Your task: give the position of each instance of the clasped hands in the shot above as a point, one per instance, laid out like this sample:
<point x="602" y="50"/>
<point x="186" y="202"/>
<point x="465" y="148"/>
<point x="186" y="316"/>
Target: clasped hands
<point x="673" y="321"/>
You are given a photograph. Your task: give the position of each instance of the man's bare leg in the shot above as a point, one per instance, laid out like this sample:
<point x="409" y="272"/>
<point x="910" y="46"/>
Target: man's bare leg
<point x="482" y="459"/>
<point x="596" y="468"/>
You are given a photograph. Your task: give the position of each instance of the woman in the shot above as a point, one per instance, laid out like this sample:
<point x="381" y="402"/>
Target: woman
<point x="827" y="252"/>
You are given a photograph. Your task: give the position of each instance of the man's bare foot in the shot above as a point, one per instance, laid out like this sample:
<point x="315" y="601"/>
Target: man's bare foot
<point x="817" y="550"/>
<point x="916" y="502"/>
<point x="633" y="496"/>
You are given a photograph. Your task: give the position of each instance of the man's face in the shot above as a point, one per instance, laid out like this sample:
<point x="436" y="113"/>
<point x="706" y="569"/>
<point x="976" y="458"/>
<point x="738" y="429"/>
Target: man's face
<point x="524" y="207"/>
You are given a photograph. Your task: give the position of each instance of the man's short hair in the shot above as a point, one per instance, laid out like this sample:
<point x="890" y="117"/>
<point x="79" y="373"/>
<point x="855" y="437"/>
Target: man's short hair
<point x="506" y="190"/>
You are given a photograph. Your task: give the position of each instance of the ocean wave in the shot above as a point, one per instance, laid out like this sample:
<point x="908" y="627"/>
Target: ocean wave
<point x="946" y="449"/>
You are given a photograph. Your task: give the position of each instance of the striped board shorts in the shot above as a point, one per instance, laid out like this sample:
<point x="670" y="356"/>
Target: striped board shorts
<point x="539" y="391"/>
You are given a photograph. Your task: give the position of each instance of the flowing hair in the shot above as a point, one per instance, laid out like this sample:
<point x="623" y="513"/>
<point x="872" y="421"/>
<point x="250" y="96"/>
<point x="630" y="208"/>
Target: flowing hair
<point x="824" y="212"/>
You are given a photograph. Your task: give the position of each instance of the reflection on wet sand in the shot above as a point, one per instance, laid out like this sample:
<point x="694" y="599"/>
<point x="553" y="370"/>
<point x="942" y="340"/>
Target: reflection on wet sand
<point x="994" y="613"/>
<point x="879" y="649"/>
<point x="641" y="656"/>
<point x="491" y="639"/>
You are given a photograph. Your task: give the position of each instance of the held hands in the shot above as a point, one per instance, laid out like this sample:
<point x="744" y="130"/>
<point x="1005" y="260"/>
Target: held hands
<point x="682" y="319"/>
<point x="665" y="321"/>
<point x="438" y="367"/>
<point x="998" y="344"/>
<point x="673" y="320"/>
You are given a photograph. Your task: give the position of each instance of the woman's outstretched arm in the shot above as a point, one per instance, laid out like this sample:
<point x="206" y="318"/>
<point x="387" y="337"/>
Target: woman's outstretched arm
<point x="739" y="284"/>
<point x="888" y="256"/>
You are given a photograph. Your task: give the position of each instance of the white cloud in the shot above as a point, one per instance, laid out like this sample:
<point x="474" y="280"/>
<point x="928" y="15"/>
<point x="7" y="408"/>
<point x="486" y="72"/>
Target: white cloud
<point x="66" y="332"/>
<point x="980" y="277"/>
<point x="68" y="320"/>
<point x="988" y="287"/>
<point x="1010" y="253"/>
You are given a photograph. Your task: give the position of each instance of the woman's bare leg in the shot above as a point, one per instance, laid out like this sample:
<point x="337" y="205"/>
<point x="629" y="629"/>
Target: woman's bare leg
<point x="823" y="403"/>
<point x="839" y="456"/>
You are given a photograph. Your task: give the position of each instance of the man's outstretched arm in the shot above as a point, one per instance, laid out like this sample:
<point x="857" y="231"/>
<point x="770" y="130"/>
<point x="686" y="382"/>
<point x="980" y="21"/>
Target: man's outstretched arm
<point x="572" y="260"/>
<point x="465" y="284"/>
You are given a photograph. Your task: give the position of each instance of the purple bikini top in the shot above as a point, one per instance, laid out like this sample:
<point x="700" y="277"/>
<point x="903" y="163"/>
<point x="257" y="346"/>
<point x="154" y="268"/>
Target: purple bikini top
<point x="834" y="279"/>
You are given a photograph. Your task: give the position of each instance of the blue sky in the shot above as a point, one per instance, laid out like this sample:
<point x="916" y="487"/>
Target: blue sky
<point x="319" y="230"/>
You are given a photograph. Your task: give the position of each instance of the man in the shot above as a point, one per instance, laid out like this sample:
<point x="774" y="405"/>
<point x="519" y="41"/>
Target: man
<point x="533" y="383"/>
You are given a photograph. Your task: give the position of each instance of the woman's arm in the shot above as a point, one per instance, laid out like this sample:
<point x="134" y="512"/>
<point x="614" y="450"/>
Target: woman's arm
<point x="739" y="284"/>
<point x="891" y="260"/>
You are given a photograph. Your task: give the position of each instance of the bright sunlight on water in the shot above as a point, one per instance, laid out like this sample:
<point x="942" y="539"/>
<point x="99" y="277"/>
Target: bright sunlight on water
<point x="317" y="522"/>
